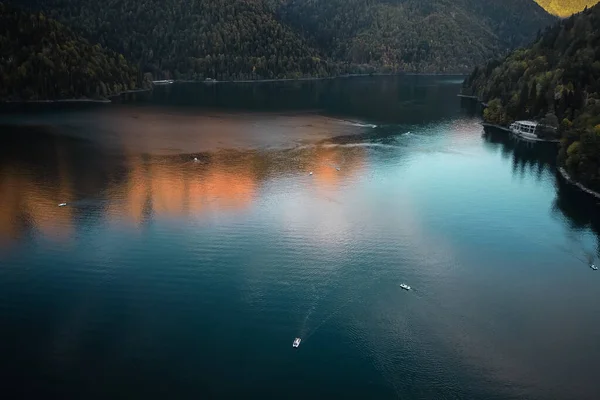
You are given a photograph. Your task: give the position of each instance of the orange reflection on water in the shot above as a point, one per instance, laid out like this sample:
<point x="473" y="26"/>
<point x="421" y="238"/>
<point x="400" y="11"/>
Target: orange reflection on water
<point x="226" y="180"/>
<point x="225" y="183"/>
<point x="329" y="159"/>
<point x="223" y="180"/>
<point x="10" y="203"/>
<point x="136" y="193"/>
<point x="172" y="187"/>
<point x="27" y="200"/>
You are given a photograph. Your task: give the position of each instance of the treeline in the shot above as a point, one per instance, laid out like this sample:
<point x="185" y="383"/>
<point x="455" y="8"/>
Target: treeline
<point x="42" y="59"/>
<point x="258" y="39"/>
<point x="556" y="81"/>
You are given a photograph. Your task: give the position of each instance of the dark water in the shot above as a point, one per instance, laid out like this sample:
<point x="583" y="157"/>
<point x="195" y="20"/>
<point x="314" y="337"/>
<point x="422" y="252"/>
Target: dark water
<point x="166" y="277"/>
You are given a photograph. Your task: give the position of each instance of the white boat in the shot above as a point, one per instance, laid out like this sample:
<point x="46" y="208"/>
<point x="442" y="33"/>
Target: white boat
<point x="405" y="286"/>
<point x="310" y="173"/>
<point x="62" y="204"/>
<point x="594" y="267"/>
<point x="524" y="129"/>
<point x="297" y="342"/>
<point x="337" y="168"/>
<point x="196" y="159"/>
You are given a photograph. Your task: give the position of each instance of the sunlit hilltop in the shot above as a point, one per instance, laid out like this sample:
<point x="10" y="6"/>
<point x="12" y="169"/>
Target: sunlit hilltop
<point x="564" y="8"/>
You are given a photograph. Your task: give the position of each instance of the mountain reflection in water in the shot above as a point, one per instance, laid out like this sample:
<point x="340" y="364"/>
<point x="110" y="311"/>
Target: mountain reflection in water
<point x="578" y="209"/>
<point x="134" y="186"/>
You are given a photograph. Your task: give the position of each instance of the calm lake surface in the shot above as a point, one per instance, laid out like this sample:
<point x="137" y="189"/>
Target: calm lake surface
<point x="169" y="277"/>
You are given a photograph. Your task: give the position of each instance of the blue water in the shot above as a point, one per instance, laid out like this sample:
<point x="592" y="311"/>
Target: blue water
<point x="166" y="277"/>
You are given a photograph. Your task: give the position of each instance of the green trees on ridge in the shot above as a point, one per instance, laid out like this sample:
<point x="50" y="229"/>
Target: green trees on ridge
<point x="258" y="39"/>
<point x="41" y="59"/>
<point x="176" y="39"/>
<point x="558" y="77"/>
<point x="261" y="39"/>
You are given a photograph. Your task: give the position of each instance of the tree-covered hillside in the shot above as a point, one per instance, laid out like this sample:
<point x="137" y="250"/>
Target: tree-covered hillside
<point x="556" y="79"/>
<point x="195" y="39"/>
<point x="42" y="59"/>
<point x="414" y="35"/>
<point x="565" y="8"/>
<point x="251" y="39"/>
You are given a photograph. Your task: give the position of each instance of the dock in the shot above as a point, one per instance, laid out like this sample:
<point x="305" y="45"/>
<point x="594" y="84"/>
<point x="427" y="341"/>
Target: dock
<point x="503" y="128"/>
<point x="537" y="140"/>
<point x="526" y="139"/>
<point x="466" y="96"/>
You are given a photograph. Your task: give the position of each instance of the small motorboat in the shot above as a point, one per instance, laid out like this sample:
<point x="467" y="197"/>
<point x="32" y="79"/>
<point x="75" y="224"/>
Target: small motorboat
<point x="594" y="267"/>
<point x="310" y="173"/>
<point x="297" y="342"/>
<point x="62" y="204"/>
<point x="405" y="286"/>
<point x="337" y="168"/>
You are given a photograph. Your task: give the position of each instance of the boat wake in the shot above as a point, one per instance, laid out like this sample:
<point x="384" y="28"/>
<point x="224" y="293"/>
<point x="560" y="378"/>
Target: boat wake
<point x="357" y="124"/>
<point x="362" y="144"/>
<point x="305" y="331"/>
<point x="585" y="256"/>
<point x="322" y="290"/>
<point x="372" y="145"/>
<point x="308" y="329"/>
<point x="363" y="125"/>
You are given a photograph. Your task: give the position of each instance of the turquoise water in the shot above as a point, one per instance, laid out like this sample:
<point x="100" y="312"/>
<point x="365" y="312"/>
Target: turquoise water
<point x="169" y="277"/>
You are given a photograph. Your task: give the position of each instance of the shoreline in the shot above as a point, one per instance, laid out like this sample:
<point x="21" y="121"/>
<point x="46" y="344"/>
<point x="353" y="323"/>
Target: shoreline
<point x="573" y="182"/>
<point x="213" y="81"/>
<point x="473" y="98"/>
<point x="130" y="91"/>
<point x="503" y="128"/>
<point x="55" y="101"/>
<point x="488" y="125"/>
<point x="318" y="78"/>
<point x="84" y="100"/>
<point x="210" y="82"/>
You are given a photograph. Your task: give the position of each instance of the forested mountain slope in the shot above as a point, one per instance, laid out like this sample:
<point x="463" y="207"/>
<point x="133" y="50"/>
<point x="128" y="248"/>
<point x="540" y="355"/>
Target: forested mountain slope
<point x="415" y="35"/>
<point x="195" y="39"/>
<point x="565" y="8"/>
<point x="250" y="39"/>
<point x="557" y="79"/>
<point x="42" y="59"/>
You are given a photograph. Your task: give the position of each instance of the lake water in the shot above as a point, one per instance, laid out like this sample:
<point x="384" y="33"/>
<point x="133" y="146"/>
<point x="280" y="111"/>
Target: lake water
<point x="170" y="277"/>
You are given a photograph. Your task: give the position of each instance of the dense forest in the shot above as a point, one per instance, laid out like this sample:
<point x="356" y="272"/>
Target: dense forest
<point x="556" y="81"/>
<point x="565" y="8"/>
<point x="177" y="39"/>
<point x="254" y="39"/>
<point x="414" y="35"/>
<point x="42" y="59"/>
